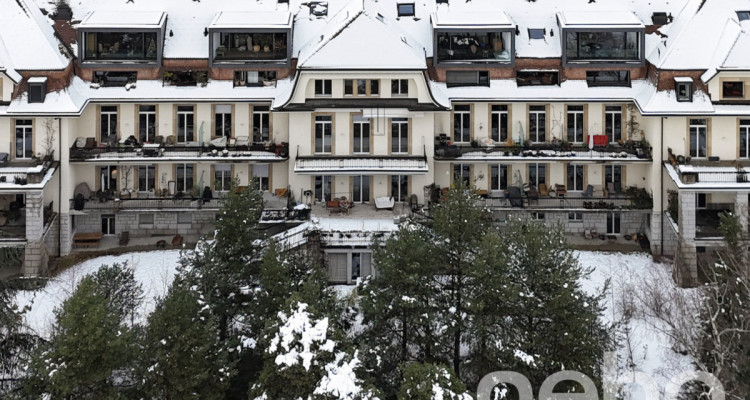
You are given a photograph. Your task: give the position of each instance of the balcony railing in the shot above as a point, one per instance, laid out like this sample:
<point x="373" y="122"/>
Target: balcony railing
<point x="568" y="203"/>
<point x="22" y="174"/>
<point x="149" y="204"/>
<point x="615" y="152"/>
<point x="273" y="152"/>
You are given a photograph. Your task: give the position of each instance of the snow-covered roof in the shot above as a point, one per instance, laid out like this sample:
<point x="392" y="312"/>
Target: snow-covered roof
<point x="444" y="18"/>
<point x="599" y="19"/>
<point x="27" y="40"/>
<point x="123" y="19"/>
<point x="246" y="19"/>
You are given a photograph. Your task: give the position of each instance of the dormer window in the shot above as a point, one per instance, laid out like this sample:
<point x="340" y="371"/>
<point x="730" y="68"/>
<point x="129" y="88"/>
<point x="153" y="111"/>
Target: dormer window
<point x="537" y="33"/>
<point x="405" y="9"/>
<point x="743" y="15"/>
<point x="733" y="90"/>
<point x="37" y="90"/>
<point x="122" y="37"/>
<point x="592" y="37"/>
<point x="684" y="89"/>
<point x="464" y="38"/>
<point x="240" y="38"/>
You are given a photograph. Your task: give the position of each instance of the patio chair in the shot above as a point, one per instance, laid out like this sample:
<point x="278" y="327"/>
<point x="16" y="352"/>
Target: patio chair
<point x="543" y="191"/>
<point x="80" y="142"/>
<point x="589" y="192"/>
<point x="170" y="140"/>
<point x="90" y="143"/>
<point x="242" y="141"/>
<point x="560" y="190"/>
<point x="218" y="142"/>
<point x="384" y="203"/>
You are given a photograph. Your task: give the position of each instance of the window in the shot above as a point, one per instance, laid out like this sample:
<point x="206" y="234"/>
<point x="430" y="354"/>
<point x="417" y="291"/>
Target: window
<point x="575" y="217"/>
<point x="37" y="90"/>
<point x="186" y="78"/>
<point x="361" y="264"/>
<point x="323" y="187"/>
<point x="462" y="173"/>
<point x="260" y="174"/>
<point x="537" y="78"/>
<point x="108" y="224"/>
<point x="405" y="9"/>
<point x="684" y="88"/>
<point x="734" y="90"/>
<point x="537" y="216"/>
<point x="185" y="124"/>
<point x="146" y="178"/>
<point x="575" y="124"/>
<point x="613" y="174"/>
<point x="499" y="123"/>
<point x="145" y="219"/>
<point x="575" y="177"/>
<point x="254" y="78"/>
<point x="361" y="87"/>
<point x="399" y="135"/>
<point x="24" y="136"/>
<point x="399" y="187"/>
<point x="223" y="177"/>
<point x="498" y="177"/>
<point x="698" y="138"/>
<point x="184" y="218"/>
<point x="115" y="78"/>
<point x="745" y="138"/>
<point x="108" y="125"/>
<point x="613" y="123"/>
<point x="250" y="46"/>
<point x="474" y="46"/>
<point x="261" y="124"/>
<point x="323" y="133"/>
<point x="538" y="124"/>
<point x="361" y="135"/>
<point x="120" y="46"/>
<point x="185" y="177"/>
<point x="613" y="223"/>
<point x="700" y="201"/>
<point x="467" y="78"/>
<point x="743" y="15"/>
<point x="323" y="87"/>
<point x="535" y="33"/>
<point x="462" y="123"/>
<point x="360" y="189"/>
<point x="146" y="123"/>
<point x="223" y="120"/>
<point x="399" y="87"/>
<point x="603" y="46"/>
<point x="108" y="178"/>
<point x="608" y="78"/>
<point x="537" y="174"/>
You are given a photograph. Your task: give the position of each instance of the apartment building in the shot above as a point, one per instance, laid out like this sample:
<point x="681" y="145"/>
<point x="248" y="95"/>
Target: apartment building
<point x="132" y="119"/>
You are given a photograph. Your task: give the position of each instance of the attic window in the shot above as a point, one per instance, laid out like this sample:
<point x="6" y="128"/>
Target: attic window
<point x="37" y="90"/>
<point x="537" y="33"/>
<point x="743" y="15"/>
<point x="319" y="8"/>
<point x="683" y="86"/>
<point x="405" y="9"/>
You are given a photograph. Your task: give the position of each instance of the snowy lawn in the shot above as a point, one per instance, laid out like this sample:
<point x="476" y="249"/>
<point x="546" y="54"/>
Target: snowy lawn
<point x="641" y="344"/>
<point x="155" y="270"/>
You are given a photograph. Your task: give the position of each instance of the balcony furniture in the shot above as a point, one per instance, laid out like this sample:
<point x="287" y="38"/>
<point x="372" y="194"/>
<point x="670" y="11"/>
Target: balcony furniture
<point x="280" y="192"/>
<point x="218" y="142"/>
<point x="589" y="192"/>
<point x="124" y="238"/>
<point x="384" y="203"/>
<point x="345" y="206"/>
<point x="242" y="141"/>
<point x="151" y="149"/>
<point x="171" y="140"/>
<point x="600" y="140"/>
<point x="543" y="191"/>
<point x="84" y="190"/>
<point x="560" y="190"/>
<point x="159" y="139"/>
<point x="90" y="143"/>
<point x="3" y="159"/>
<point x="333" y="207"/>
<point x="613" y="189"/>
<point x="177" y="240"/>
<point x="86" y="240"/>
<point x="515" y="196"/>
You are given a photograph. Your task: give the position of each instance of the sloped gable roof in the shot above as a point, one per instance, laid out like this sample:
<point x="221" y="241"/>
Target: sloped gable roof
<point x="39" y="49"/>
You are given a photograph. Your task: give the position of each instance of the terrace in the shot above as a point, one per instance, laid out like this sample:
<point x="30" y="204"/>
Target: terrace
<point x="627" y="152"/>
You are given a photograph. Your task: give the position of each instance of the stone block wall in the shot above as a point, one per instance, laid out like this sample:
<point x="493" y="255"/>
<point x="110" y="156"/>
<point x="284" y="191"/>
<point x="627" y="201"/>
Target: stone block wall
<point x="151" y="223"/>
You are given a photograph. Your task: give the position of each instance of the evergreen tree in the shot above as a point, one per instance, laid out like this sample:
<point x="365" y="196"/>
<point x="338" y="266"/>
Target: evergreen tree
<point x="183" y="358"/>
<point x="431" y="382"/>
<point x="90" y="354"/>
<point x="16" y="344"/>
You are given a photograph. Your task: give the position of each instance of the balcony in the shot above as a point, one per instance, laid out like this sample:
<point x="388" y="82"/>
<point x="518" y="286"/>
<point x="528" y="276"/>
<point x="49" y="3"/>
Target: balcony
<point x="150" y="153"/>
<point x="710" y="176"/>
<point x="110" y="204"/>
<point x="31" y="175"/>
<point x="567" y="203"/>
<point x="629" y="152"/>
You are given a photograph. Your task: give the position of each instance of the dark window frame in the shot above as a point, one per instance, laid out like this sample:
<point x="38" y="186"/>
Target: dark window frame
<point x="619" y="78"/>
<point x="482" y="78"/>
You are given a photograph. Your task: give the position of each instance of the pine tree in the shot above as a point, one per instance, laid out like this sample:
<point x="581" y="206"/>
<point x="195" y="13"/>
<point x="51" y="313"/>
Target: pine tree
<point x="16" y="344"/>
<point x="431" y="382"/>
<point x="182" y="356"/>
<point x="90" y="354"/>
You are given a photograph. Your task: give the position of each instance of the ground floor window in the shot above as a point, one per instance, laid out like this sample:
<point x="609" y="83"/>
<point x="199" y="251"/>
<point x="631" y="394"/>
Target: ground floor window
<point x="361" y="189"/>
<point x="613" y="223"/>
<point x="346" y="267"/>
<point x="575" y="217"/>
<point x="108" y="224"/>
<point x="323" y="188"/>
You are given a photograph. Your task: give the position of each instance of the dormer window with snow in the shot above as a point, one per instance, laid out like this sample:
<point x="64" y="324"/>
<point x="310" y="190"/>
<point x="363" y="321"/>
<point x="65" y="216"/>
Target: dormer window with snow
<point x="683" y="87"/>
<point x="243" y="38"/>
<point x="37" y="90"/>
<point x="537" y="33"/>
<point x="473" y="37"/>
<point x="613" y="38"/>
<point x="122" y="38"/>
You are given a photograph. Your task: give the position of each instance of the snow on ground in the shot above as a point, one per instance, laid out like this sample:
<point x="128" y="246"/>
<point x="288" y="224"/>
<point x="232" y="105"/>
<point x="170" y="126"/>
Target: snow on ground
<point x="155" y="270"/>
<point x="639" y="341"/>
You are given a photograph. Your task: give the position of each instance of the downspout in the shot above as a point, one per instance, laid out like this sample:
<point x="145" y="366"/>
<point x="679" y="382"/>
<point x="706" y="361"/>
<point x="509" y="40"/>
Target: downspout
<point x="59" y="188"/>
<point x="661" y="183"/>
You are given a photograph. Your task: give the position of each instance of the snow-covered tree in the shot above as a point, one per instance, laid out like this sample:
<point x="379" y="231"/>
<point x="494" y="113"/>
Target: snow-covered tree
<point x="431" y="382"/>
<point x="16" y="343"/>
<point x="91" y="352"/>
<point x="182" y="356"/>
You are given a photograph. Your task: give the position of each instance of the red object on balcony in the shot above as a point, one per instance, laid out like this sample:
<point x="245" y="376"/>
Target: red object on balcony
<point x="601" y="140"/>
